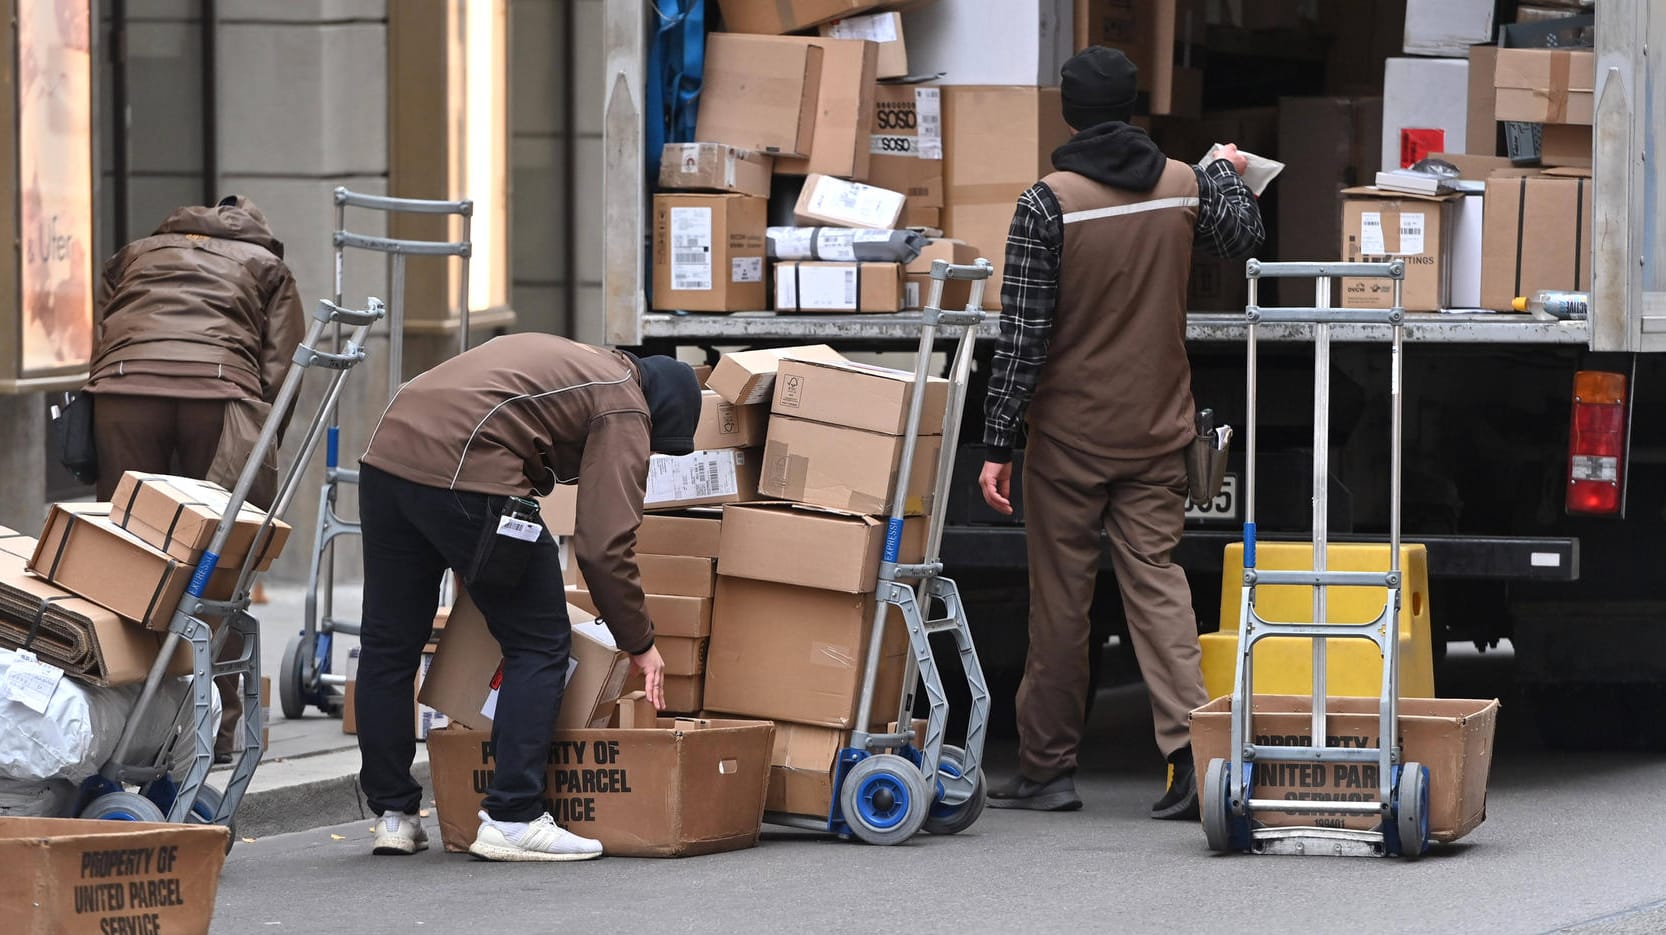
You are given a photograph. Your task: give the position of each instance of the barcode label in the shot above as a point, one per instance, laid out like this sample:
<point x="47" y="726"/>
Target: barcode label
<point x="691" y="249"/>
<point x="855" y="204"/>
<point x="1411" y="233"/>
<point x="911" y="295"/>
<point x="1371" y="233"/>
<point x="928" y="104"/>
<point x="830" y="287"/>
<point x="702" y="475"/>
<point x="746" y="269"/>
<point x="834" y="244"/>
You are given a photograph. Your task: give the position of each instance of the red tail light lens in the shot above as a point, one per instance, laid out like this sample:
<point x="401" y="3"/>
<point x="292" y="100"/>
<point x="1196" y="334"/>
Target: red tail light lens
<point x="1596" y="443"/>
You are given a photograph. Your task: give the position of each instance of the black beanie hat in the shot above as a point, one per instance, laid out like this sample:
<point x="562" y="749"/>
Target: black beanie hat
<point x="673" y="394"/>
<point x="1098" y="85"/>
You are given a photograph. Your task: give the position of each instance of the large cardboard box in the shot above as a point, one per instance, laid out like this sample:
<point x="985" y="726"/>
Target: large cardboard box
<point x="760" y="93"/>
<point x="765" y="542"/>
<point x="956" y="292"/>
<point x="71" y="876"/>
<point x="1537" y="236"/>
<point x="727" y="475"/>
<point x="1421" y="112"/>
<point x="709" y="252"/>
<point x="1160" y="37"/>
<point x="725" y="425"/>
<point x="748" y="377"/>
<point x="857" y="395"/>
<point x="715" y="167"/>
<point x="844" y="110"/>
<point x="1327" y="144"/>
<point x="1414" y="228"/>
<point x="1451" y="736"/>
<point x="796" y="654"/>
<point x="683" y="788"/>
<point x="1481" y="128"/>
<point x="179" y="516"/>
<point x="816" y="286"/>
<point x="781" y="16"/>
<point x="843" y="468"/>
<point x="840" y="203"/>
<point x="696" y="534"/>
<point x="1448" y="27"/>
<point x="1546" y="85"/>
<point x="907" y="148"/>
<point x="673" y="615"/>
<point x="884" y="29"/>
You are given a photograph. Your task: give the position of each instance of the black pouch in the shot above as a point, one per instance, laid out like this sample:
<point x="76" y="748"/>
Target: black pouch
<point x="72" y="436"/>
<point x="507" y="540"/>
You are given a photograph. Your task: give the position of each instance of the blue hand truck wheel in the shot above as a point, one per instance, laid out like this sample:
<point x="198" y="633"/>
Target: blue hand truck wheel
<point x="953" y="819"/>
<point x="123" y="806"/>
<point x="884" y="799"/>
<point x="206" y="807"/>
<point x="1411" y="810"/>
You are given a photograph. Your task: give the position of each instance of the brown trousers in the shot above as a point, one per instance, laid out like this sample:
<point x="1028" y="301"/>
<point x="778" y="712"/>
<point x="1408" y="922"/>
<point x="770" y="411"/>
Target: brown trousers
<point x="164" y="435"/>
<point x="1069" y="496"/>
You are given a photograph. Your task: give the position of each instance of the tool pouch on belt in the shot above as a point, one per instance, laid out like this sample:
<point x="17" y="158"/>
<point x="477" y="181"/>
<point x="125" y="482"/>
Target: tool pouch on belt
<point x="507" y="541"/>
<point x="1206" y="458"/>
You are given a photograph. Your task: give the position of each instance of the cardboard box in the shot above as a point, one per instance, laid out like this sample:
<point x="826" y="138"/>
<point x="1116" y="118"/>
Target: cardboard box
<point x="683" y="655"/>
<point x="759" y="93"/>
<point x="834" y="201"/>
<point x="72" y="876"/>
<point x="1546" y="85"/>
<point x="857" y="395"/>
<point x="692" y="535"/>
<point x="1451" y="736"/>
<point x="781" y="16"/>
<point x="725" y="425"/>
<point x="1538" y="235"/>
<point x="906" y="144"/>
<point x="559" y="510"/>
<point x="1327" y="144"/>
<point x="816" y="286"/>
<point x="426" y="718"/>
<point x="686" y="617"/>
<point x="684" y="694"/>
<point x="843" y="468"/>
<point x="1160" y="37"/>
<point x="1566" y="145"/>
<point x="179" y="516"/>
<point x="883" y="29"/>
<point x="709" y="252"/>
<point x="683" y="788"/>
<point x="957" y="292"/>
<point x="997" y="142"/>
<point x="463" y="681"/>
<point x="1481" y="127"/>
<point x="765" y="542"/>
<point x="1421" y="114"/>
<point x="1481" y="168"/>
<point x="801" y="769"/>
<point x="728" y="475"/>
<point x="796" y="654"/>
<point x="85" y="553"/>
<point x="748" y="377"/>
<point x="665" y="575"/>
<point x="715" y="167"/>
<point x="1414" y="228"/>
<point x="1448" y="27"/>
<point x="843" y="112"/>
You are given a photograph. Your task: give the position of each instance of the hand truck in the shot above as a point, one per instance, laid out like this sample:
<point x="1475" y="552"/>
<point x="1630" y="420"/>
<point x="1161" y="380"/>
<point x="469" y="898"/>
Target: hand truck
<point x="306" y="678"/>
<point x="191" y="800"/>
<point x="1401" y="803"/>
<point x="881" y="796"/>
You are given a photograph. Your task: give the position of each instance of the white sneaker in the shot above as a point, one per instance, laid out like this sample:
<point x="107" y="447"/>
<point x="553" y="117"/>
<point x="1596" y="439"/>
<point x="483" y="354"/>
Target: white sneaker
<point x="398" y="833"/>
<point x="536" y="840"/>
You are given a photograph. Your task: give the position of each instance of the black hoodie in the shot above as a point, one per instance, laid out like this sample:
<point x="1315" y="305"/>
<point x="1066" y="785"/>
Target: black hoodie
<point x="1116" y="154"/>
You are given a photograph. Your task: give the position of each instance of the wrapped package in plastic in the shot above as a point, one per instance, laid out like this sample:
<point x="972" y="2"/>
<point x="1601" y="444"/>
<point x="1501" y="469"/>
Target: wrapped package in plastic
<point x="844" y="244"/>
<point x="51" y="799"/>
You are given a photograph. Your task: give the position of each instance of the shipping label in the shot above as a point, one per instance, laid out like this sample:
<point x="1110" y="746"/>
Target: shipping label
<point x="835" y="244"/>
<point x="855" y="203"/>
<point x="786" y="288"/>
<point x="701" y="475"/>
<point x="691" y="249"/>
<point x="1371" y="233"/>
<point x="746" y="269"/>
<point x="928" y="103"/>
<point x="30" y="682"/>
<point x="1411" y="232"/>
<point x="827" y="288"/>
<point x="878" y="28"/>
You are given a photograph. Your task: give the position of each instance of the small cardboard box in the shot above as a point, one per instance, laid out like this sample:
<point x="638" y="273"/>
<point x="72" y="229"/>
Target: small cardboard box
<point x="835" y="201"/>
<point x="1537" y="235"/>
<point x="760" y="93"/>
<point x="844" y="469"/>
<point x="695" y="533"/>
<point x="709" y="252"/>
<point x="748" y="377"/>
<point x="559" y="510"/>
<point x="684" y="694"/>
<point x="857" y="395"/>
<point x="663" y="575"/>
<point x="73" y="876"/>
<point x="728" y="475"/>
<point x="1566" y="145"/>
<point x="715" y="167"/>
<point x="956" y="292"/>
<point x="907" y="148"/>
<point x="1378" y="226"/>
<point x="783" y="16"/>
<point x="687" y="617"/>
<point x="179" y="516"/>
<point x="683" y="656"/>
<point x="1546" y="85"/>
<point x="796" y="654"/>
<point x="725" y="425"/>
<point x="682" y="788"/>
<point x="818" y="286"/>
<point x="885" y="29"/>
<point x="844" y="110"/>
<point x="764" y="542"/>
<point x="801" y="769"/>
<point x="1451" y="736"/>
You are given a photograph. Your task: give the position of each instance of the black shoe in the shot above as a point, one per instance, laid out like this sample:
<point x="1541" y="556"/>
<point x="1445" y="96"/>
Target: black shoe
<point x="222" y="759"/>
<point x="1179" y="803"/>
<point x="1054" y="795"/>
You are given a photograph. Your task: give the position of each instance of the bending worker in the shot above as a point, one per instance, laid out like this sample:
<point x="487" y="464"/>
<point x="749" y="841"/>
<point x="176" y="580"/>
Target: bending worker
<point x="1093" y="348"/>
<point x="442" y="485"/>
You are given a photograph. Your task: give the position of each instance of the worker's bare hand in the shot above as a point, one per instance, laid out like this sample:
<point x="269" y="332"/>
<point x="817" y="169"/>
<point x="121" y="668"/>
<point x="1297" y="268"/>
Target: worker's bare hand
<point x="652" y="667"/>
<point x="996" y="482"/>
<point x="1230" y="153"/>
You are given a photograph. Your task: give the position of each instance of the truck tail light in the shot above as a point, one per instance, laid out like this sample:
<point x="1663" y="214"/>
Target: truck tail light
<point x="1596" y="443"/>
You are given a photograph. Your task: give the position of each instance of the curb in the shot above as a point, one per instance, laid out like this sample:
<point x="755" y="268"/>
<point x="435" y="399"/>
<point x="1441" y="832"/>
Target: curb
<point x="310" y="792"/>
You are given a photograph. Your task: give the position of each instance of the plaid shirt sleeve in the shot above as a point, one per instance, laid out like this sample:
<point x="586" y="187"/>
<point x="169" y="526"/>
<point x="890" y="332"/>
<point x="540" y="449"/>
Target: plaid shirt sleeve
<point x="1029" y="291"/>
<point x="1228" y="218"/>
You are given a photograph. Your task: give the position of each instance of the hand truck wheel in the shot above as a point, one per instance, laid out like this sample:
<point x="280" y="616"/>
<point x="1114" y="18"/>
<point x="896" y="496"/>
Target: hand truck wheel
<point x="953" y="819"/>
<point x="292" y="694"/>
<point x="1216" y="805"/>
<point x="1411" y="808"/>
<point x="884" y="799"/>
<point x="206" y="807"/>
<point x="123" y="806"/>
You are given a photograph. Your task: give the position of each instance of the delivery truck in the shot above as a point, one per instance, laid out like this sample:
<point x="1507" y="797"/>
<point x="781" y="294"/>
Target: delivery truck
<point x="1535" y="446"/>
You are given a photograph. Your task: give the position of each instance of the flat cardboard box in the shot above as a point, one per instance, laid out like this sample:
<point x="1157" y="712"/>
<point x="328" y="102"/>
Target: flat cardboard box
<point x="883" y="29"/>
<point x="782" y="16"/>
<point x="1160" y="37"/>
<point x="1414" y="228"/>
<point x="1538" y="235"/>
<point x="906" y="144"/>
<point x="683" y="655"/>
<point x="843" y="112"/>
<point x="1481" y="129"/>
<point x="693" y="535"/>
<point x="74" y="876"/>
<point x="715" y="167"/>
<point x="1546" y="85"/>
<point x="840" y="203"/>
<point x="686" y="617"/>
<point x="956" y="292"/>
<point x="748" y="377"/>
<point x="664" y="575"/>
<point x="559" y="510"/>
<point x="796" y="654"/>
<point x="728" y="475"/>
<point x="759" y="93"/>
<point x="1566" y="145"/>
<point x="857" y="395"/>
<point x="765" y="542"/>
<point x="1328" y="144"/>
<point x="1453" y="737"/>
<point x="1447" y="28"/>
<point x="179" y="515"/>
<point x="462" y="682"/>
<point x="1421" y="114"/>
<point x="818" y="286"/>
<point x="844" y="469"/>
<point x="725" y="425"/>
<point x="683" y="788"/>
<point x="709" y="252"/>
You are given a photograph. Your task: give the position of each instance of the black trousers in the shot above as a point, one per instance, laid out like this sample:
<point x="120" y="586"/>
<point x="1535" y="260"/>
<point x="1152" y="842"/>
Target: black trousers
<point x="412" y="533"/>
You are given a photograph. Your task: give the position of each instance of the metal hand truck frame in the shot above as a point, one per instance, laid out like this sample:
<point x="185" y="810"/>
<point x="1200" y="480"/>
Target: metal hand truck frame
<point x="881" y="796"/>
<point x="306" y="678"/>
<point x="1401" y="800"/>
<point x="159" y="797"/>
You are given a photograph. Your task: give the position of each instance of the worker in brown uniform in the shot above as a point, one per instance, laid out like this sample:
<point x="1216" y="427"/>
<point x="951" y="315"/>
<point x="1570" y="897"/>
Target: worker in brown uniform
<point x="443" y="485"/>
<point x="1093" y="350"/>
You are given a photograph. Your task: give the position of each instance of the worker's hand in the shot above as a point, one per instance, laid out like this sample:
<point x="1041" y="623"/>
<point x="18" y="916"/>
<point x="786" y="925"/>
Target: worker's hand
<point x="996" y="483"/>
<point x="1230" y="153"/>
<point x="652" y="667"/>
